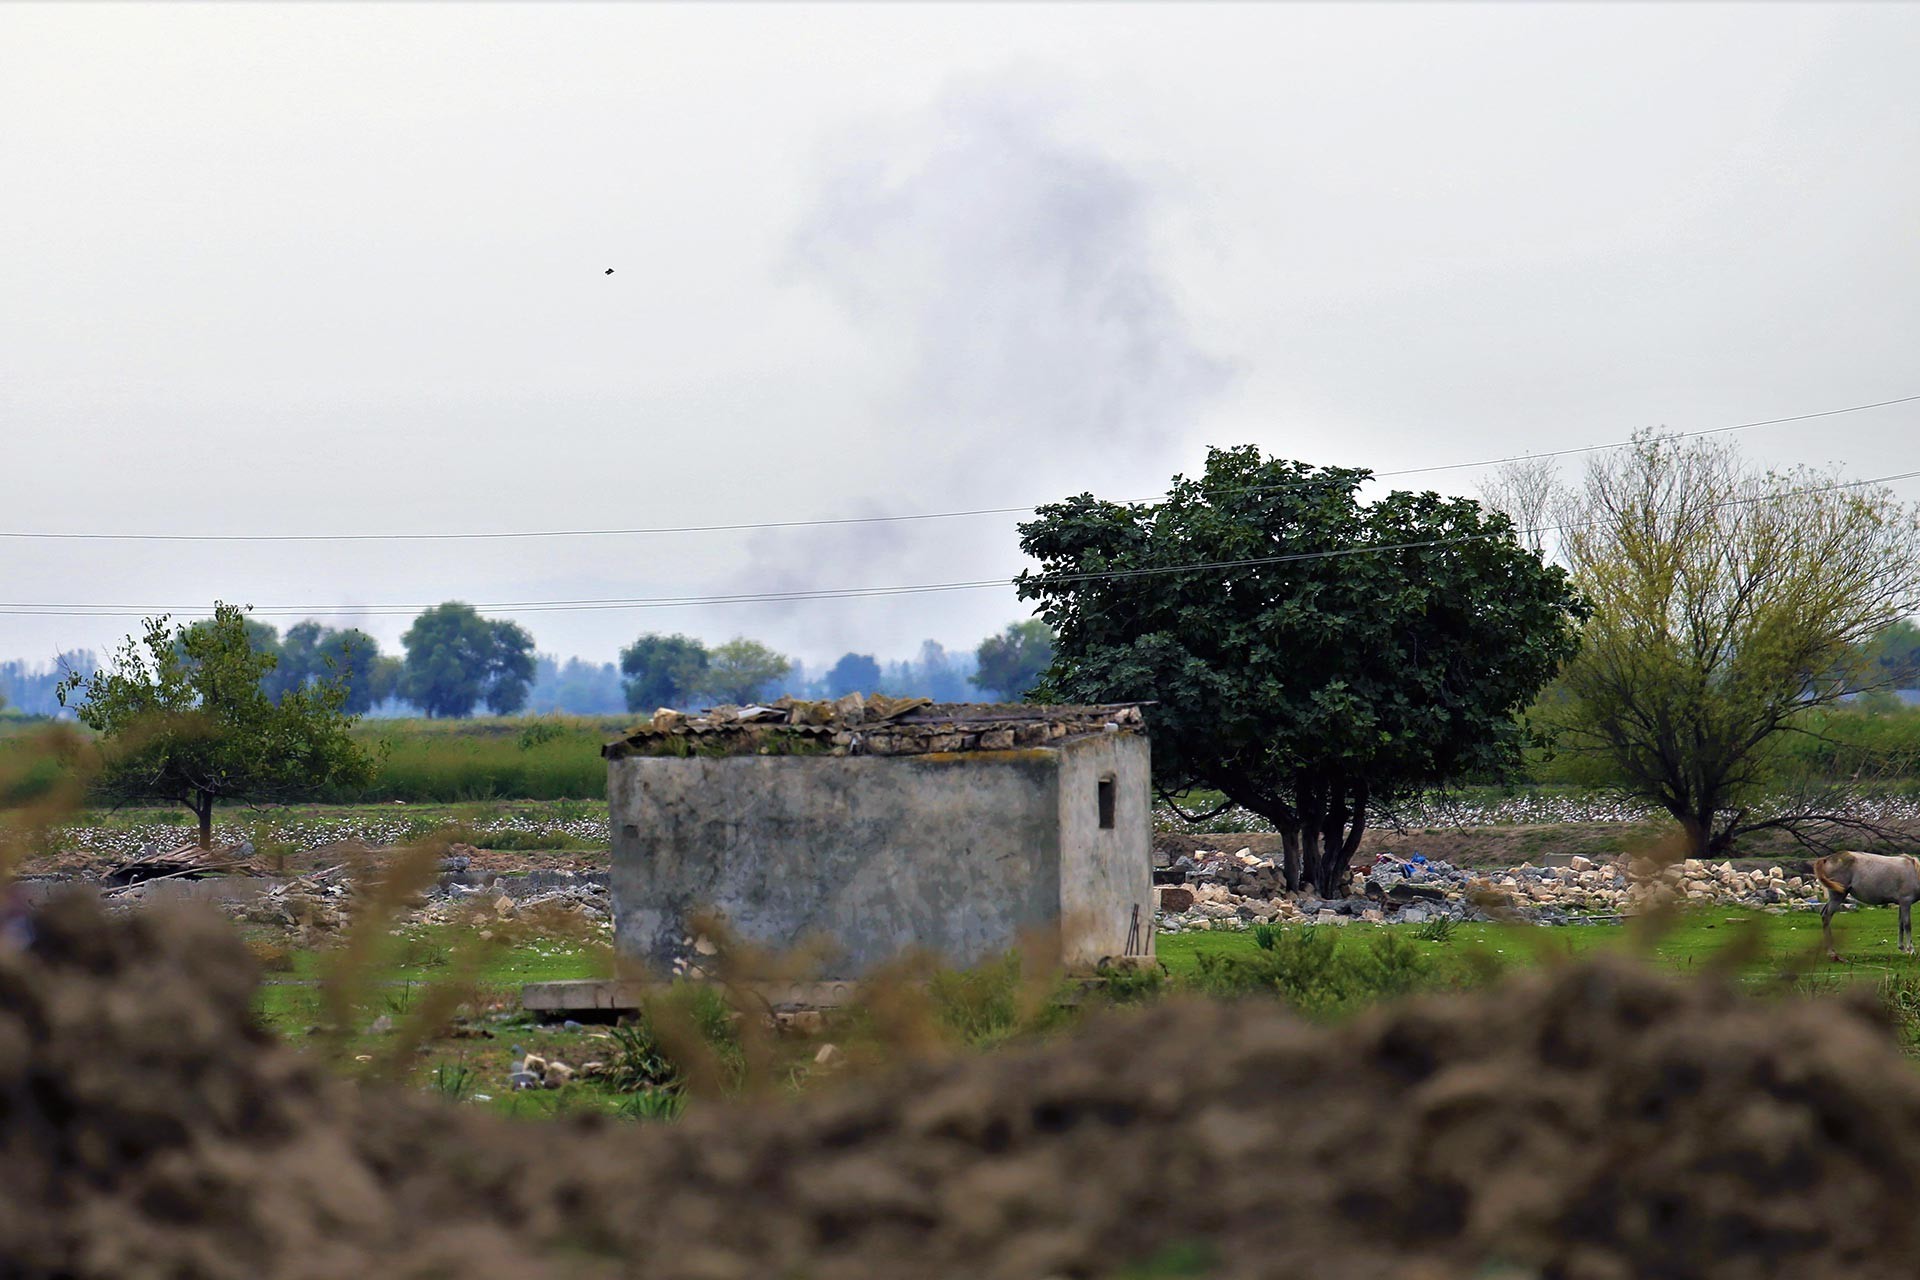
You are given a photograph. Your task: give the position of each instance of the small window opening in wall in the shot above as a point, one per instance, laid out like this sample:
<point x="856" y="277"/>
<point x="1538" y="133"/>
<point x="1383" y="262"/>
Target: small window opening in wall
<point x="1106" y="803"/>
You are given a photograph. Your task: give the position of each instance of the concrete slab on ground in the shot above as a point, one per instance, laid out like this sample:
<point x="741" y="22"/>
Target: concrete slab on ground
<point x="599" y="995"/>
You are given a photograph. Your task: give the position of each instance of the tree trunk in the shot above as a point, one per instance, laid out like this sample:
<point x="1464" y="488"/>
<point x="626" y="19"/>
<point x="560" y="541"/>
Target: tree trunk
<point x="1290" y="854"/>
<point x="203" y="807"/>
<point x="1699" y="831"/>
<point x="1356" y="828"/>
<point x="1334" y="857"/>
<point x="1313" y="808"/>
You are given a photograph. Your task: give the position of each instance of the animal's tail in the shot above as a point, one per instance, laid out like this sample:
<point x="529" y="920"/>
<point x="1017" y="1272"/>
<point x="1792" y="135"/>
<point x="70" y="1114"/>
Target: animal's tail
<point x="1820" y="874"/>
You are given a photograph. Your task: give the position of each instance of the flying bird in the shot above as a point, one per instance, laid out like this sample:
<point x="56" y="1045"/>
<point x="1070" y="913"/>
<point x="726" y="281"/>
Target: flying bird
<point x="609" y="270"/>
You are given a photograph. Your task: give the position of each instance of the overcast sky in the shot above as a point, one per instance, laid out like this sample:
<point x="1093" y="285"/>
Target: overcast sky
<point x="340" y="269"/>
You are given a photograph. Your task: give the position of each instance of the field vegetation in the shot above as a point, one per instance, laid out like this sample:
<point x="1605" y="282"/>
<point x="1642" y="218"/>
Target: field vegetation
<point x="496" y="758"/>
<point x="505" y="758"/>
<point x="693" y="1042"/>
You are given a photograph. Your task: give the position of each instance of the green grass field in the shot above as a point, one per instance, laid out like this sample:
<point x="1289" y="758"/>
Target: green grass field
<point x="1763" y="944"/>
<point x="1345" y="970"/>
<point x="543" y="758"/>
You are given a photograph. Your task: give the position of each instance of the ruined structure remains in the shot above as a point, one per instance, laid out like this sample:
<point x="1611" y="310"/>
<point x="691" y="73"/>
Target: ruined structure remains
<point x="883" y="825"/>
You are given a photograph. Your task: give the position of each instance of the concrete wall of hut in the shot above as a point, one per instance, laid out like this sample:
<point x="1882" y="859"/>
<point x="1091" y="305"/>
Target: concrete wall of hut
<point x="1106" y="848"/>
<point x="959" y="854"/>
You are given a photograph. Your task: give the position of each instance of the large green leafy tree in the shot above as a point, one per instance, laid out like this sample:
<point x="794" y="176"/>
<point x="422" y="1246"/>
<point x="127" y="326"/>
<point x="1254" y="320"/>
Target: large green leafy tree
<point x="310" y="652"/>
<point x="853" y="673"/>
<point x="182" y="716"/>
<point x="1012" y="662"/>
<point x="1891" y="659"/>
<point x="662" y="671"/>
<point x="741" y="670"/>
<point x="457" y="659"/>
<point x="1308" y="655"/>
<point x="263" y="638"/>
<point x="1729" y="605"/>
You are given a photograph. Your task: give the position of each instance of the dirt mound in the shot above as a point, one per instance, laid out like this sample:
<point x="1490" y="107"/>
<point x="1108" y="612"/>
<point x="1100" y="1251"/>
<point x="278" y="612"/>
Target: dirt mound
<point x="1592" y="1123"/>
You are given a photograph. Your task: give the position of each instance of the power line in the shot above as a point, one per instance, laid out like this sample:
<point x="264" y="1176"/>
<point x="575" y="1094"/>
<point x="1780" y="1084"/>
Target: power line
<point x="856" y="593"/>
<point x="823" y="521"/>
<point x="1622" y="444"/>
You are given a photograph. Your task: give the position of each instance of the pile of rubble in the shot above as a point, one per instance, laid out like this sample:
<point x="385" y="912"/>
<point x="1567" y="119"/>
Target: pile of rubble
<point x="171" y="860"/>
<point x="1219" y="890"/>
<point x="324" y="901"/>
<point x="875" y="725"/>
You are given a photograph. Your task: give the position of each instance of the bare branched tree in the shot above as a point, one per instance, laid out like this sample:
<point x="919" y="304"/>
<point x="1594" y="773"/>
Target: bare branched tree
<point x="1525" y="491"/>
<point x="1820" y="809"/>
<point x="1729" y="606"/>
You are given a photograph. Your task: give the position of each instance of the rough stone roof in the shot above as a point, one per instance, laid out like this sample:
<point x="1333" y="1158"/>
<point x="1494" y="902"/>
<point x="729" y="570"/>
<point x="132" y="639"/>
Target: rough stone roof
<point x="859" y="725"/>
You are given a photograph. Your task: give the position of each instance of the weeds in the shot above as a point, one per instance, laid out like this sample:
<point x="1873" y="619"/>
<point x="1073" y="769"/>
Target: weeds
<point x="454" y="1081"/>
<point x="1900" y="997"/>
<point x="1438" y="929"/>
<point x="1133" y="984"/>
<point x="271" y="956"/>
<point x="638" y="1063"/>
<point x="414" y="952"/>
<point x="540" y="732"/>
<point x="651" y="1104"/>
<point x="978" y="1004"/>
<point x="1308" y="966"/>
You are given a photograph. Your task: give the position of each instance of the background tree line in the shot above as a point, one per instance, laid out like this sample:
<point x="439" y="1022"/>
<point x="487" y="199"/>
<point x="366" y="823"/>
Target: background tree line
<point x="1316" y="658"/>
<point x="1309" y="655"/>
<point x="454" y="663"/>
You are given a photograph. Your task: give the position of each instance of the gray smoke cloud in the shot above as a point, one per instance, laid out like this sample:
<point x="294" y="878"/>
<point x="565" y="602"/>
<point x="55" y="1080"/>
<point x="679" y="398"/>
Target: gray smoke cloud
<point x="1013" y="271"/>
<point x="1005" y="279"/>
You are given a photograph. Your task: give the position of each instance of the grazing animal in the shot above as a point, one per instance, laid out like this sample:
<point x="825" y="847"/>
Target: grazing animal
<point x="1875" y="879"/>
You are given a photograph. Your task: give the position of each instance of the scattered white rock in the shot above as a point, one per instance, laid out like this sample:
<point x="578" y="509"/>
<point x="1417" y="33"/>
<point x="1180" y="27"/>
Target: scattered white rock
<point x="1236" y="891"/>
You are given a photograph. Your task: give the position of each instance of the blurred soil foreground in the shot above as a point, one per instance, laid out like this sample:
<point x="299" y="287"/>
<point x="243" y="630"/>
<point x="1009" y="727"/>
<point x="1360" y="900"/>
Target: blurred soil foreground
<point x="1593" y="1121"/>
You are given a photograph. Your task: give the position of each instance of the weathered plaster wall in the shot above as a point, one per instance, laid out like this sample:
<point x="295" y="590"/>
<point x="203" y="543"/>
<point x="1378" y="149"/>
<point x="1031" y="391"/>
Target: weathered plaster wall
<point x="957" y="854"/>
<point x="1106" y="881"/>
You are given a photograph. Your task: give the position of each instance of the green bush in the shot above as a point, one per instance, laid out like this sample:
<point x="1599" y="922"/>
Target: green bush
<point x="980" y="1004"/>
<point x="1310" y="968"/>
<point x="638" y="1062"/>
<point x="1132" y="983"/>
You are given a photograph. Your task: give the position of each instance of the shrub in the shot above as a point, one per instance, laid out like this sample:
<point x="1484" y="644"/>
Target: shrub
<point x="638" y="1062"/>
<point x="271" y="956"/>
<point x="1132" y="983"/>
<point x="979" y="1004"/>
<point x="540" y="732"/>
<point x="1308" y="966"/>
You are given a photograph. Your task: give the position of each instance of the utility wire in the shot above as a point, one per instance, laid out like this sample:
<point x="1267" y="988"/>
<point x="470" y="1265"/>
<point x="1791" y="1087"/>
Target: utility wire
<point x="1622" y="444"/>
<point x="855" y="593"/>
<point x="738" y="526"/>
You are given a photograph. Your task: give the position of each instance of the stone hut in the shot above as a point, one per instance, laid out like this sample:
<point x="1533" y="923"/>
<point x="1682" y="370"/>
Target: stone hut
<point x="881" y="825"/>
